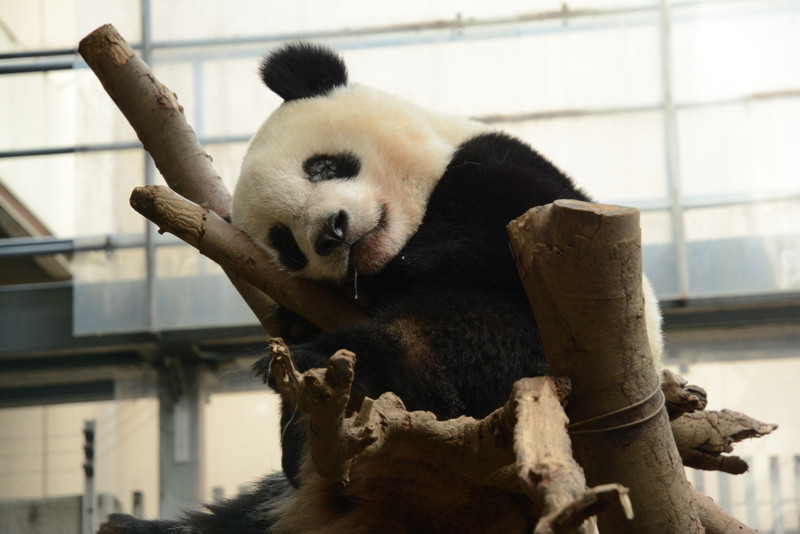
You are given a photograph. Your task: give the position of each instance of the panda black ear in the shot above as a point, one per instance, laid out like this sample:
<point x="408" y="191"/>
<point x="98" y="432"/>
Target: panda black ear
<point x="303" y="70"/>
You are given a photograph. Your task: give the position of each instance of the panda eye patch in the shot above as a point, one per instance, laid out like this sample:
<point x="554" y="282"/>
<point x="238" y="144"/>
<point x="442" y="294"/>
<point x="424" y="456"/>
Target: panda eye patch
<point x="322" y="167"/>
<point x="289" y="253"/>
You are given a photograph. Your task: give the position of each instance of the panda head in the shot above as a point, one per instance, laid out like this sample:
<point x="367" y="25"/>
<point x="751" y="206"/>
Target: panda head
<point x="337" y="179"/>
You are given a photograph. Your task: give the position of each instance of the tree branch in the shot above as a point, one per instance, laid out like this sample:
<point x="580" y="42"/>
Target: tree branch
<point x="550" y="476"/>
<point x="241" y="258"/>
<point x="474" y="449"/>
<point x="703" y="437"/>
<point x="570" y="518"/>
<point x="158" y="120"/>
<point x="156" y="117"/>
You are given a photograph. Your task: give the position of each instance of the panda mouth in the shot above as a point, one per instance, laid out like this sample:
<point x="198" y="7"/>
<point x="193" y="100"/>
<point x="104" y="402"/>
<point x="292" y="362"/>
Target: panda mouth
<point x="365" y="252"/>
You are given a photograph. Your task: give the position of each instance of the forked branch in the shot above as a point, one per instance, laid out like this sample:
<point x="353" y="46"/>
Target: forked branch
<point x="153" y="111"/>
<point x="520" y="447"/>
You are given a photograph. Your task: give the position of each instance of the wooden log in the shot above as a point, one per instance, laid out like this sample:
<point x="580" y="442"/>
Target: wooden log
<point x="581" y="267"/>
<point x="550" y="476"/>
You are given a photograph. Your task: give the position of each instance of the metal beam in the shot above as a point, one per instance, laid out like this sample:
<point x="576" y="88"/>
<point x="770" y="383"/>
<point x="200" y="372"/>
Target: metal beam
<point x="39" y="66"/>
<point x="36" y="320"/>
<point x="44" y="245"/>
<point x="671" y="152"/>
<point x="56" y="393"/>
<point x="731" y="312"/>
<point x="43" y="362"/>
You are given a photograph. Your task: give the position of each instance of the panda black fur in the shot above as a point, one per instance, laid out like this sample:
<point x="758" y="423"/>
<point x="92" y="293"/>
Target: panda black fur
<point x="349" y="185"/>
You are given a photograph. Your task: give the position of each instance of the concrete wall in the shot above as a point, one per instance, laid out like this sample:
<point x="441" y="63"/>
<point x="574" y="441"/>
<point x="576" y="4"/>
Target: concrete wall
<point x="60" y="515"/>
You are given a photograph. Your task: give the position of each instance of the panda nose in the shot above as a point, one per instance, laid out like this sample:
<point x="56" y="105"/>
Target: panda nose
<point x="332" y="233"/>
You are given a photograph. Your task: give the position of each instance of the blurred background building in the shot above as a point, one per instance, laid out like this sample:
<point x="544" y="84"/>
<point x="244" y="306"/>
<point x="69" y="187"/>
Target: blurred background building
<point x="686" y="109"/>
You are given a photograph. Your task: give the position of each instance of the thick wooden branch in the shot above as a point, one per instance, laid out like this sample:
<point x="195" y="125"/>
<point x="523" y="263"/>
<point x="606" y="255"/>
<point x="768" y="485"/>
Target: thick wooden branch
<point x="158" y="120"/>
<point x="238" y="255"/>
<point x="550" y="476"/>
<point x="571" y="517"/>
<point x="703" y="438"/>
<point x="592" y="326"/>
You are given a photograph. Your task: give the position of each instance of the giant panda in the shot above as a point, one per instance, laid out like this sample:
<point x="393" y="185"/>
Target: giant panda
<point x="359" y="189"/>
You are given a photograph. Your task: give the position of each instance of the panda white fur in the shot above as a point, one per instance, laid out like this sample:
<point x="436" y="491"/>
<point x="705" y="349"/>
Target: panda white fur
<point x="347" y="184"/>
<point x="383" y="157"/>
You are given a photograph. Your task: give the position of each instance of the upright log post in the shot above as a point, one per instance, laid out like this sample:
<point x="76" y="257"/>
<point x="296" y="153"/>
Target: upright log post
<point x="582" y="270"/>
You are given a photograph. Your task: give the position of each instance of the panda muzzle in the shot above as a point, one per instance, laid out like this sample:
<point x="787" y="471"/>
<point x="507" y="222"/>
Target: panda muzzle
<point x="332" y="234"/>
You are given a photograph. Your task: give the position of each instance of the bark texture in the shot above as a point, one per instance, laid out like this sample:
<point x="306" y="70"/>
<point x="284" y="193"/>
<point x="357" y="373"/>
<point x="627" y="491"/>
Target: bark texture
<point x="592" y="326"/>
<point x="680" y="397"/>
<point x="704" y="438"/>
